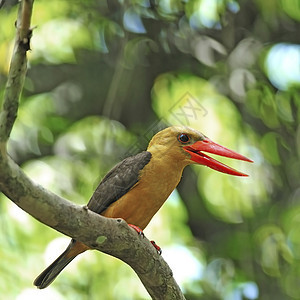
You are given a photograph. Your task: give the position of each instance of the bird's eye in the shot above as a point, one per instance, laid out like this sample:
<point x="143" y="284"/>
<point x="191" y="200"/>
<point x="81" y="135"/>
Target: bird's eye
<point x="183" y="138"/>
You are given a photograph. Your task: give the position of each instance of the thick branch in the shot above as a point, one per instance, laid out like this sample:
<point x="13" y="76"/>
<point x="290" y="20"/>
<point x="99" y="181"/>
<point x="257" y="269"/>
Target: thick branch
<point x="112" y="236"/>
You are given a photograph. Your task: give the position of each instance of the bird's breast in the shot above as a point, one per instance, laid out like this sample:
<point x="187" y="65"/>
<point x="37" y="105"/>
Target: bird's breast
<point x="140" y="204"/>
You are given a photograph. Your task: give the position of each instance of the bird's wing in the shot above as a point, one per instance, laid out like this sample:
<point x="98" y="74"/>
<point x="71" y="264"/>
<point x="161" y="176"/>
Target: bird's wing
<point x="118" y="181"/>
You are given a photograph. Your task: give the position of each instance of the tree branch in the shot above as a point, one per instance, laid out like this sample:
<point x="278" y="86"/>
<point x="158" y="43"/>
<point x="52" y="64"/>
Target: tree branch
<point x="111" y="236"/>
<point x="17" y="71"/>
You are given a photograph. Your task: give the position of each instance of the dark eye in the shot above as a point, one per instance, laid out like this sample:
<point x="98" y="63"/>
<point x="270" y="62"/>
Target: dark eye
<point x="183" y="138"/>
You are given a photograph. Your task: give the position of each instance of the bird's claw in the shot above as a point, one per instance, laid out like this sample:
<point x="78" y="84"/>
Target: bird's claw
<point x="137" y="229"/>
<point x="141" y="233"/>
<point x="158" y="249"/>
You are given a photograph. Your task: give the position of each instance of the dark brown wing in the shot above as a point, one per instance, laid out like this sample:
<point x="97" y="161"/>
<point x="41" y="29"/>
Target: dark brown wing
<point x="118" y="181"/>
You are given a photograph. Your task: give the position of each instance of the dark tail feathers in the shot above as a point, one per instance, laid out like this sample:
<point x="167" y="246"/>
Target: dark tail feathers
<point x="50" y="273"/>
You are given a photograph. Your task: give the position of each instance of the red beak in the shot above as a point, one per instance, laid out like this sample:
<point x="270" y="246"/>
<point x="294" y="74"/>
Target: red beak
<point x="207" y="145"/>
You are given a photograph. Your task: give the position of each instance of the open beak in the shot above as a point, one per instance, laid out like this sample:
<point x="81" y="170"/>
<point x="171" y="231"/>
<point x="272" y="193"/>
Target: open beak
<point x="206" y="145"/>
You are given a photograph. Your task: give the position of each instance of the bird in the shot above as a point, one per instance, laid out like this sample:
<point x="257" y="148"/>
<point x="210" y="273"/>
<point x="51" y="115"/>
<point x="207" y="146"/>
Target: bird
<point x="137" y="187"/>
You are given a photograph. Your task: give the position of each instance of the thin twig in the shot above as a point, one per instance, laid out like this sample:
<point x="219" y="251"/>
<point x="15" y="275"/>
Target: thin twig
<point x="17" y="71"/>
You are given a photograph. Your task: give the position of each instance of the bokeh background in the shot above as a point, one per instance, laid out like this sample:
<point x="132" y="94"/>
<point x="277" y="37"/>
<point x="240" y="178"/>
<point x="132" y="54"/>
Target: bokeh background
<point x="103" y="77"/>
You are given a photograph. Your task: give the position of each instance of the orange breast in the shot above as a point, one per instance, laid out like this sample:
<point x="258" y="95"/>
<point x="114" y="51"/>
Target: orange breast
<point x="137" y="207"/>
<point x="141" y="203"/>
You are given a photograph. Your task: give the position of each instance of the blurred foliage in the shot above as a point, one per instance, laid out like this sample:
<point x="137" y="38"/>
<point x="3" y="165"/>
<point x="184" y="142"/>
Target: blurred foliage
<point x="103" y="78"/>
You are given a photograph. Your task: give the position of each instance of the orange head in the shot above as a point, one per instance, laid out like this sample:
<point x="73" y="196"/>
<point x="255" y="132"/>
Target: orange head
<point x="185" y="145"/>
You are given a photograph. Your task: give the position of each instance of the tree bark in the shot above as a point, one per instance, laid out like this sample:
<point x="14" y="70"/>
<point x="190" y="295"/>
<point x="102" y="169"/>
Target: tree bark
<point x="111" y="236"/>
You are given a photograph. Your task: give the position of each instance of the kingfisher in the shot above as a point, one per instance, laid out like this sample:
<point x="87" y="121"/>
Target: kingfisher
<point x="138" y="186"/>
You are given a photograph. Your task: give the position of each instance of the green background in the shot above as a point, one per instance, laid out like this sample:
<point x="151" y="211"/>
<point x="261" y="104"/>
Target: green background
<point x="103" y="77"/>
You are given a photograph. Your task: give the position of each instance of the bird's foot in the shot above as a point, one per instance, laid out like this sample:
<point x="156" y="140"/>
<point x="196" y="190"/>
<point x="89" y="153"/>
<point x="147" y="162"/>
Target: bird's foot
<point x="141" y="233"/>
<point x="158" y="249"/>
<point x="137" y="229"/>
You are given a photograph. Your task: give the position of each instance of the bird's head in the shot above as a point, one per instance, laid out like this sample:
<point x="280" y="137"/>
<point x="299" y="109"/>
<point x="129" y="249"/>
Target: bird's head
<point x="186" y="145"/>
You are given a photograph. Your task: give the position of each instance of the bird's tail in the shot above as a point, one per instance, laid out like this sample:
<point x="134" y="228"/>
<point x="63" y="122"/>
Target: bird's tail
<point x="50" y="273"/>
